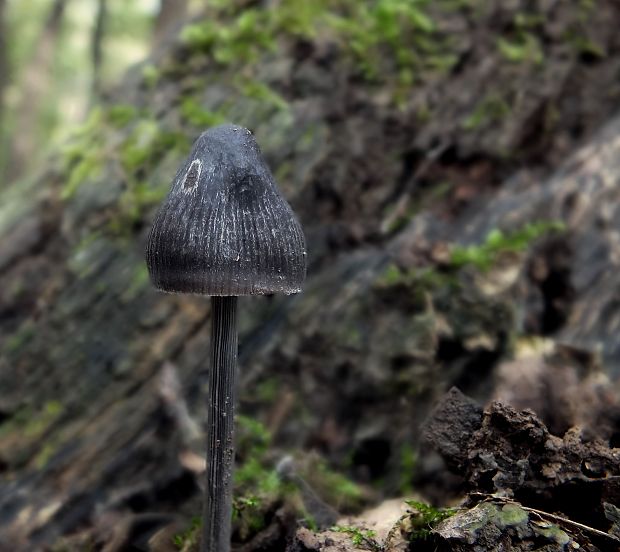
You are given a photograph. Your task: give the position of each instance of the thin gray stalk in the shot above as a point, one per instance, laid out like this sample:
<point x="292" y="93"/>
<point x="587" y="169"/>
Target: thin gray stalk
<point x="220" y="426"/>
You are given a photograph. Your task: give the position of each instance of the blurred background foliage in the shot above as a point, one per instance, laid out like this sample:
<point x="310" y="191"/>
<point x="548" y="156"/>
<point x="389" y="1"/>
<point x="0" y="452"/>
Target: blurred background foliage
<point x="58" y="57"/>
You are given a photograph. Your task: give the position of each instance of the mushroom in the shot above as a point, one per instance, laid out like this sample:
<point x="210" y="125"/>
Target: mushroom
<point x="224" y="230"/>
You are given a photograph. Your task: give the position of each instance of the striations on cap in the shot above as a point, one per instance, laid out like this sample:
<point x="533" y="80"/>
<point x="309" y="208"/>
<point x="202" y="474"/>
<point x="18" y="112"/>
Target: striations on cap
<point x="224" y="228"/>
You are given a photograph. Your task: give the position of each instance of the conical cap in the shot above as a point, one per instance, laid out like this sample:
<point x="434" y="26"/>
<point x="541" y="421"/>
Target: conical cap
<point x="224" y="228"/>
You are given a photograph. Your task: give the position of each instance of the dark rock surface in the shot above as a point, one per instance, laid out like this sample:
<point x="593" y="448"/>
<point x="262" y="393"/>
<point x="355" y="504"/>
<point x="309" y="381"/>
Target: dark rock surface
<point x="528" y="490"/>
<point x="451" y="425"/>
<point x="510" y="453"/>
<point x="494" y="525"/>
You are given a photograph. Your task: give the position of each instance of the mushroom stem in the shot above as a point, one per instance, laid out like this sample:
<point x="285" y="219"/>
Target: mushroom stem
<point x="220" y="426"/>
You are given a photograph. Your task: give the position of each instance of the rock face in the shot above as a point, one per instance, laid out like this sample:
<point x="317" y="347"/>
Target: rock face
<point x="508" y="453"/>
<point x="527" y="490"/>
<point x="511" y="452"/>
<point x="392" y="182"/>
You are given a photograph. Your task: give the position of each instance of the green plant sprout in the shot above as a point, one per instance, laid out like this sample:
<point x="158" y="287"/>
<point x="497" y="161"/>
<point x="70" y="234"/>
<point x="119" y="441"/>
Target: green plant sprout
<point x="484" y="255"/>
<point x="361" y="538"/>
<point x="425" y="517"/>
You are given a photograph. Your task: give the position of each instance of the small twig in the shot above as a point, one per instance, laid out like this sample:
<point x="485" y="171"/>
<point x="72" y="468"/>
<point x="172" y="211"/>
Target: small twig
<point x="404" y="196"/>
<point x="171" y="394"/>
<point x="542" y="514"/>
<point x="361" y="538"/>
<point x="567" y="521"/>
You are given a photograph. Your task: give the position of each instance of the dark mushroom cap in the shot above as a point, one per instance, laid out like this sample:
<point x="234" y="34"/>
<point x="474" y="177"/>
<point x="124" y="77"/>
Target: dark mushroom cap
<point x="224" y="228"/>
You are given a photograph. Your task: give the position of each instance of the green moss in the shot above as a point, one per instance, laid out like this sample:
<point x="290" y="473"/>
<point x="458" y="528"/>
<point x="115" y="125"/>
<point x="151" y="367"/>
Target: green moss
<point x="309" y="522"/>
<point x="253" y="435"/>
<point x="258" y="486"/>
<point x="584" y="45"/>
<point x="44" y="455"/>
<point x="552" y="533"/>
<point x="527" y="21"/>
<point x="82" y="261"/>
<point x="150" y="75"/>
<point x="525" y="47"/>
<point x="52" y="408"/>
<point x="301" y="19"/>
<point x="139" y="282"/>
<point x="37" y="425"/>
<point x="199" y="36"/>
<point x="242" y="39"/>
<point x="503" y="518"/>
<point x="267" y="391"/>
<point x="17" y="422"/>
<point x="140" y="153"/>
<point x="169" y="141"/>
<point x="398" y="30"/>
<point x="88" y="168"/>
<point x="140" y="145"/>
<point x="255" y="476"/>
<point x="93" y="145"/>
<point x="259" y="91"/>
<point x="82" y="156"/>
<point x="30" y="423"/>
<point x="121" y="115"/>
<point x="193" y="113"/>
<point x="19" y="339"/>
<point x="490" y="110"/>
<point x="133" y="203"/>
<point x="418" y="280"/>
<point x="586" y="7"/>
<point x="484" y="255"/>
<point x="408" y="464"/>
<point x="283" y="171"/>
<point x="249" y="513"/>
<point x="86" y="240"/>
<point x="512" y="514"/>
<point x="394" y="41"/>
<point x="391" y="276"/>
<point x="424" y="517"/>
<point x="189" y="538"/>
<point x="336" y="488"/>
<point x="393" y="29"/>
<point x="309" y="138"/>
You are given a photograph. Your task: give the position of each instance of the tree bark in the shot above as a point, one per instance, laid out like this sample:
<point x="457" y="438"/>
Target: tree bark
<point x="171" y="13"/>
<point x="4" y="62"/>
<point x="97" y="46"/>
<point x="4" y="82"/>
<point x="35" y="83"/>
